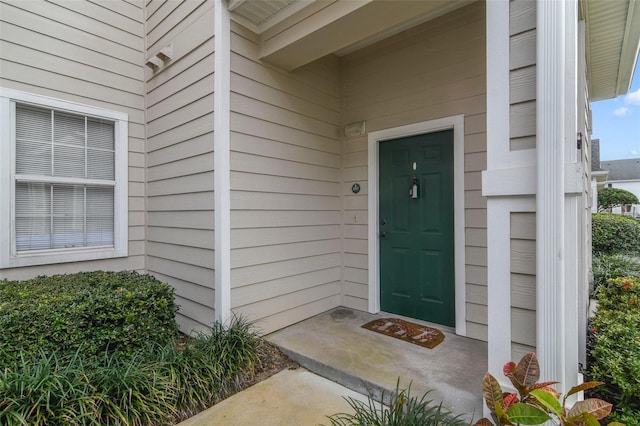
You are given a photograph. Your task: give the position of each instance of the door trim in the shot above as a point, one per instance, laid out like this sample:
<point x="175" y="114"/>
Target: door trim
<point x="456" y="123"/>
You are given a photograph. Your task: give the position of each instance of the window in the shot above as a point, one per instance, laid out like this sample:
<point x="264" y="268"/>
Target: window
<point x="63" y="181"/>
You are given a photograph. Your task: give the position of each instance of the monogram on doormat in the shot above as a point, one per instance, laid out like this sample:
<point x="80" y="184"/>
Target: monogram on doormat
<point x="409" y="332"/>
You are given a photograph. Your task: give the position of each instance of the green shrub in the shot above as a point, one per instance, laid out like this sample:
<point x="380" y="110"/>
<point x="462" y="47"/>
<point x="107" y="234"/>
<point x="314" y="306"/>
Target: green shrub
<point x="92" y="312"/>
<point x="613" y="233"/>
<point x="156" y="385"/>
<point x="606" y="267"/>
<point x="614" y="348"/>
<point x="405" y="410"/>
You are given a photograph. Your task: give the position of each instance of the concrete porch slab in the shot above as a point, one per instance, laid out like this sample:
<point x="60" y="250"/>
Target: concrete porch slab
<point x="334" y="345"/>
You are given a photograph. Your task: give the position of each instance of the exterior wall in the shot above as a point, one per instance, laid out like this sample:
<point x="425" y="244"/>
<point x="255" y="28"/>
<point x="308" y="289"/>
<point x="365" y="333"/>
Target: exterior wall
<point x="431" y="71"/>
<point x="91" y="54"/>
<point x="522" y="136"/>
<point x="523" y="284"/>
<point x="180" y="203"/>
<point x="285" y="187"/>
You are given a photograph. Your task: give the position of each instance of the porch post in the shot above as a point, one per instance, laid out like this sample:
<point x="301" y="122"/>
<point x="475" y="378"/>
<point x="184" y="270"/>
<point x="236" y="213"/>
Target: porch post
<point x="556" y="246"/>
<point x="222" y="186"/>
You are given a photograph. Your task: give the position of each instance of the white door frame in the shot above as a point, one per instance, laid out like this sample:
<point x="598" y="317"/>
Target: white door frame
<point x="456" y="123"/>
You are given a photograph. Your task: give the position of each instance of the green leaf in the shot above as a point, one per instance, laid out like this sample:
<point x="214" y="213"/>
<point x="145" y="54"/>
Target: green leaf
<point x="492" y="393"/>
<point x="527" y="414"/>
<point x="589" y="420"/>
<point x="548" y="400"/>
<point x="596" y="407"/>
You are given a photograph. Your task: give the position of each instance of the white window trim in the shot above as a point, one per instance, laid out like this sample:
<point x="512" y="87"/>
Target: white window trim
<point x="8" y="256"/>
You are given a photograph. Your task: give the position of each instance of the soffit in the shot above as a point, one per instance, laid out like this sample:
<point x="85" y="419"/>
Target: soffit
<point x="293" y="33"/>
<point x="613" y="39"/>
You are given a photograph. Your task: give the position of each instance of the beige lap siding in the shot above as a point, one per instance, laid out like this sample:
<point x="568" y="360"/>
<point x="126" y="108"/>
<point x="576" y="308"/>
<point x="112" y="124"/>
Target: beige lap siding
<point x="285" y="187"/>
<point x="89" y="53"/>
<point x="180" y="206"/>
<point x="431" y="71"/>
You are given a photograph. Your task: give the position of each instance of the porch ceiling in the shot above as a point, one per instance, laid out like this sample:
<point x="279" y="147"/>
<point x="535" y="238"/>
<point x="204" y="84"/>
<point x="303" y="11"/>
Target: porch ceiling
<point x="296" y="32"/>
<point x="613" y="40"/>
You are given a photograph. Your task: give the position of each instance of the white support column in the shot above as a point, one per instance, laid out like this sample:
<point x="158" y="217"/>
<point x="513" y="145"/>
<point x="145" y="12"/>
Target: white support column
<point x="498" y="207"/>
<point x="551" y="331"/>
<point x="221" y="142"/>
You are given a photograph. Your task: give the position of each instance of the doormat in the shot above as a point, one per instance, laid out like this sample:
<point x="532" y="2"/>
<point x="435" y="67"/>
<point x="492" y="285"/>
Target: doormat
<point x="409" y="332"/>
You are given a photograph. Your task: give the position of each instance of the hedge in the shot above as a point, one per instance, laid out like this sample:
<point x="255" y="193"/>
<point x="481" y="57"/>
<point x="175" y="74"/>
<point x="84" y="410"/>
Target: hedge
<point x="614" y="347"/>
<point x="88" y="312"/>
<point x="613" y="233"/>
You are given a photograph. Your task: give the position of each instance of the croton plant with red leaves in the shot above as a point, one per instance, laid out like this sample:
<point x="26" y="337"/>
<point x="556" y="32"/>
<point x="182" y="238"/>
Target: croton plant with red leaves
<point x="536" y="403"/>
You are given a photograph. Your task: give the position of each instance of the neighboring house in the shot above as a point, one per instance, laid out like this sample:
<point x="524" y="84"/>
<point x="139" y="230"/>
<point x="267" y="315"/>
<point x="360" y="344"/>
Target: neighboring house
<point x="624" y="174"/>
<point x="598" y="175"/>
<point x="259" y="156"/>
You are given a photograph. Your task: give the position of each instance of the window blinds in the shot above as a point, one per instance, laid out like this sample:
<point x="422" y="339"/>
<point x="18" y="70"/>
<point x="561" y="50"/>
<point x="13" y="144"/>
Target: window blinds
<point x="61" y="159"/>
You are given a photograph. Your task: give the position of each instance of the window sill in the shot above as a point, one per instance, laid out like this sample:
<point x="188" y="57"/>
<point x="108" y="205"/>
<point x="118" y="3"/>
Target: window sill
<point x="60" y="256"/>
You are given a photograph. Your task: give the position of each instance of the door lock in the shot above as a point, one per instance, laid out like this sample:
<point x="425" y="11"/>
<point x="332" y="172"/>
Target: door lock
<point x="383" y="234"/>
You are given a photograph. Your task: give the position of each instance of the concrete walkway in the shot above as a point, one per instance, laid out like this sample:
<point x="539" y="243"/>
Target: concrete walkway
<point x="291" y="397"/>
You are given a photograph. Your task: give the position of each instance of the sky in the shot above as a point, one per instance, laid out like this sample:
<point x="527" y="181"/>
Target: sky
<point x="616" y="122"/>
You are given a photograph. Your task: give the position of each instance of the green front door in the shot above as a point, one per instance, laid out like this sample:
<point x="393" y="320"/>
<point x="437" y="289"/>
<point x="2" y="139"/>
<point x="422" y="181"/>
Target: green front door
<point x="416" y="227"/>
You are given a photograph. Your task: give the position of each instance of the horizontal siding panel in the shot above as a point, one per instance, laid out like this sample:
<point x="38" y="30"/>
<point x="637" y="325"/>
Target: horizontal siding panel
<point x="181" y="99"/>
<point x="195" y="311"/>
<point x="55" y="30"/>
<point x="188" y="166"/>
<point x="296" y="314"/>
<point x="261" y="92"/>
<point x="66" y="17"/>
<point x="251" y="294"/>
<point x="266" y="112"/>
<point x="476" y="237"/>
<point x="522" y="50"/>
<point x="195" y="128"/>
<point x="522" y="119"/>
<point x="179" y="22"/>
<point x="35" y="76"/>
<point x="269" y="148"/>
<point x="475" y="218"/>
<point x="527" y="142"/>
<point x="476" y="313"/>
<point x="522" y="16"/>
<point x="131" y="11"/>
<point x="188" y="290"/>
<point x="283" y="218"/>
<point x="104" y="15"/>
<point x="522" y="84"/>
<point x="277" y="253"/>
<point x="523" y="326"/>
<point x="185" y="219"/>
<point x="355" y="275"/>
<point x="276" y="305"/>
<point x="179" y="202"/>
<point x="523" y="257"/>
<point x="356" y="231"/>
<point x="476" y="274"/>
<point x="477" y="331"/>
<point x="523" y="225"/>
<point x="240" y="162"/>
<point x="474" y="199"/>
<point x="476" y="294"/>
<point x="286" y="82"/>
<point x="523" y="291"/>
<point x="181" y="271"/>
<point x="247" y="200"/>
<point x="181" y="116"/>
<point x="244" y="238"/>
<point x="247" y="124"/>
<point x="183" y="254"/>
<point x="356" y="290"/>
<point x="273" y="271"/>
<point x="198" y="145"/>
<point x="199" y="238"/>
<point x="241" y="181"/>
<point x="356" y="260"/>
<point x="519" y="350"/>
<point x="180" y="185"/>
<point x="68" y="50"/>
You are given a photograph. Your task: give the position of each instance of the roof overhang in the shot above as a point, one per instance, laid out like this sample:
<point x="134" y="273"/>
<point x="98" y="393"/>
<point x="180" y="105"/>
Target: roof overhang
<point x="293" y="33"/>
<point x="612" y="43"/>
